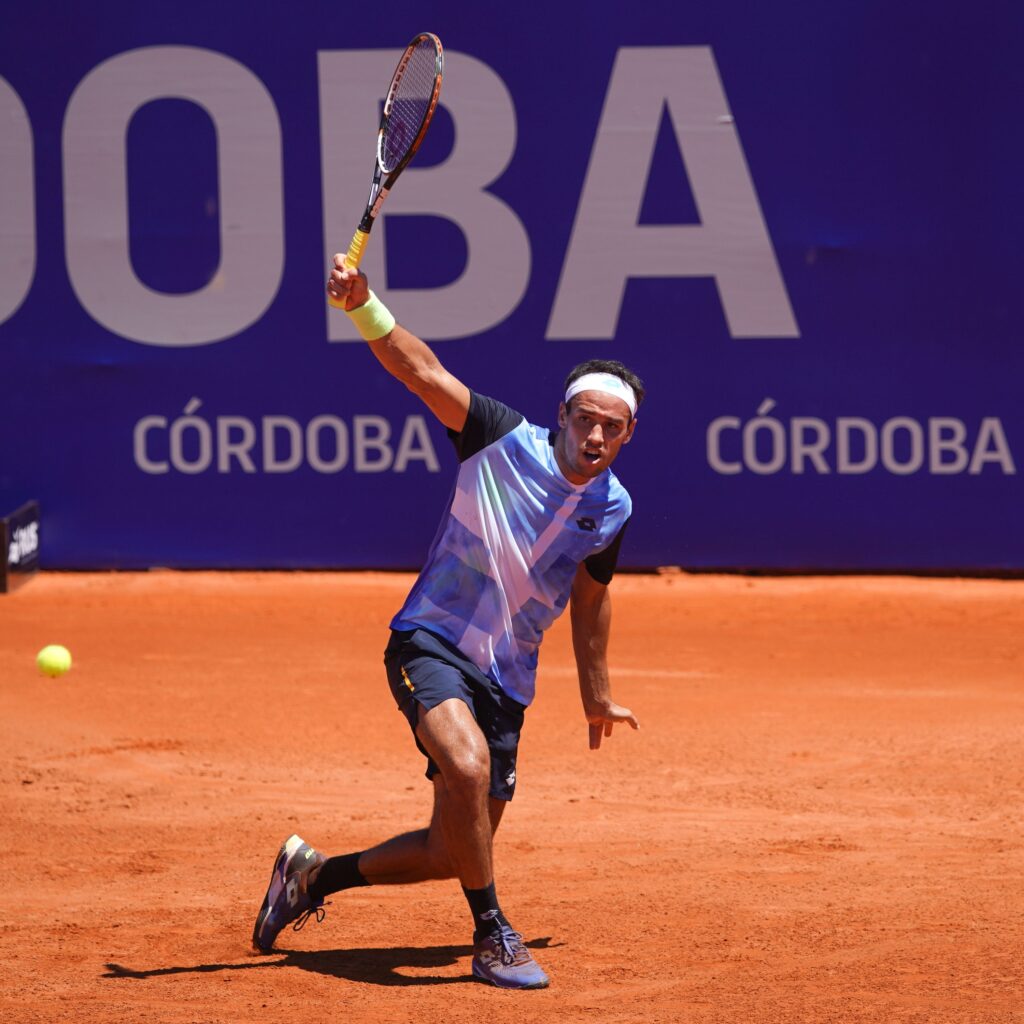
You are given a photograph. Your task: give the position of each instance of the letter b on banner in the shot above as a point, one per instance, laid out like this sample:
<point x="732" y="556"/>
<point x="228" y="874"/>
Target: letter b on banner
<point x="352" y="84"/>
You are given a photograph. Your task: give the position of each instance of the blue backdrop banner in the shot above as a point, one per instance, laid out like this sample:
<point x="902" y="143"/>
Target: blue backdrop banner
<point x="799" y="223"/>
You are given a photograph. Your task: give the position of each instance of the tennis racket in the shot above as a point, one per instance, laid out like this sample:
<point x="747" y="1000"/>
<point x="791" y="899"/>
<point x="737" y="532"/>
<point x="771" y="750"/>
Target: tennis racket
<point x="410" y="105"/>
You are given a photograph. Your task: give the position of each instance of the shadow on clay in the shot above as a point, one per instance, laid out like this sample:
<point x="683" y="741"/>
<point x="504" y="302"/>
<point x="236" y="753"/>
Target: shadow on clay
<point x="376" y="966"/>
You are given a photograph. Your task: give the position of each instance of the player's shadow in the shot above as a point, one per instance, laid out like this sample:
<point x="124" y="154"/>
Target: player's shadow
<point x="376" y="966"/>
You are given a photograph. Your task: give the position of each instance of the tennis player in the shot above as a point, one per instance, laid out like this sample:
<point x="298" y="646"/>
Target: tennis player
<point x="535" y="523"/>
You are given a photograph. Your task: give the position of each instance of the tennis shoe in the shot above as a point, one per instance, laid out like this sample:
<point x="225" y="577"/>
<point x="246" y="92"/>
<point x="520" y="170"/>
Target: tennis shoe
<point x="287" y="898"/>
<point x="502" y="958"/>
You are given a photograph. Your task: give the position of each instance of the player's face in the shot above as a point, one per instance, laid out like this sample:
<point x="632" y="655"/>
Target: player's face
<point x="593" y="430"/>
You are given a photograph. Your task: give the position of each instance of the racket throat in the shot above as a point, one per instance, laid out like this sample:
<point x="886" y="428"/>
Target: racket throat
<point x="374" y="208"/>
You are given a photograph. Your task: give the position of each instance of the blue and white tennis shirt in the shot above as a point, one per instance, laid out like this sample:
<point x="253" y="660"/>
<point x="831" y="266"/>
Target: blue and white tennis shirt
<point x="501" y="566"/>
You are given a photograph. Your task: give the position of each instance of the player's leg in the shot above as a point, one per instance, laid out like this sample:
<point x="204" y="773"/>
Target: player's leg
<point x="474" y="768"/>
<point x="417" y="856"/>
<point x="453" y="739"/>
<point x="301" y="877"/>
<point x="470" y="793"/>
<point x="458" y="841"/>
<point x="473" y="777"/>
<point x="437" y="699"/>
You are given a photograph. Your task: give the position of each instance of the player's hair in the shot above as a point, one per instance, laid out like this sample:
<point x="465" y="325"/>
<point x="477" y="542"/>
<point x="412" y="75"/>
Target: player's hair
<point x="612" y="366"/>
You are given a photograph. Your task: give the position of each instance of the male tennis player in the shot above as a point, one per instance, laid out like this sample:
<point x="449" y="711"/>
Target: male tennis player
<point x="534" y="523"/>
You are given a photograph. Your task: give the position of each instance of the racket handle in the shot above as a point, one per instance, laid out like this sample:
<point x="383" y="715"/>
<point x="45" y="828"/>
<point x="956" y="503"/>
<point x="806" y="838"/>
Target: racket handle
<point x="353" y="258"/>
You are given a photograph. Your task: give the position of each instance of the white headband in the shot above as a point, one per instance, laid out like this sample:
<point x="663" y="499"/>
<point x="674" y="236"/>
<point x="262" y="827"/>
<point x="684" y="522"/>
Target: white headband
<point x="607" y="383"/>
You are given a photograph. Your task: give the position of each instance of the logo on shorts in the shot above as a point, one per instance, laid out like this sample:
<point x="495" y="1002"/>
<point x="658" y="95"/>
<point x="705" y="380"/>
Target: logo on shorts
<point x="510" y="779"/>
<point x="586" y="523"/>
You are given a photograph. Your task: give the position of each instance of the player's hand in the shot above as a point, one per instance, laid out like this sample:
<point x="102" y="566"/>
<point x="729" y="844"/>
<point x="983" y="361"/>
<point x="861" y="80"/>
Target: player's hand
<point x="601" y="722"/>
<point x="347" y="285"/>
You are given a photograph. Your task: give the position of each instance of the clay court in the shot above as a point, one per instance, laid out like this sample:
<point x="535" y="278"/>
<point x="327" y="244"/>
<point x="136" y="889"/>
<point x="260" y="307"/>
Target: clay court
<point x="819" y="821"/>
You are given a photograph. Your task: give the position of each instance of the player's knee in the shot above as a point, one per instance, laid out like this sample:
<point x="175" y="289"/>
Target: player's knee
<point x="467" y="778"/>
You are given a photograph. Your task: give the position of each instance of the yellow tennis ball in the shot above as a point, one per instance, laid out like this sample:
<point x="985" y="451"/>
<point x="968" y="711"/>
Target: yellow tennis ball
<point x="54" y="660"/>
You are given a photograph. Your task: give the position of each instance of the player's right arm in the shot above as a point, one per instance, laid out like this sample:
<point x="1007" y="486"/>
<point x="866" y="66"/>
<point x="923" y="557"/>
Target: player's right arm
<point x="406" y="357"/>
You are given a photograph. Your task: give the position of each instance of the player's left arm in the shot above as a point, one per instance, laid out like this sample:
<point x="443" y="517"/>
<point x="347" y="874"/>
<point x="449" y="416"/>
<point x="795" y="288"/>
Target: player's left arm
<point x="590" y="611"/>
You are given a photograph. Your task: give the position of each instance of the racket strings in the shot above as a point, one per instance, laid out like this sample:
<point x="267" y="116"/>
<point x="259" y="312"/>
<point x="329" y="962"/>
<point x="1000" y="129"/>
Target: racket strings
<point x="410" y="104"/>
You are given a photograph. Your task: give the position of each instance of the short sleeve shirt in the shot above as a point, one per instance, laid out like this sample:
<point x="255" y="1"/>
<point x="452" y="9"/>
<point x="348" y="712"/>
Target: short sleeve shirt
<point x="501" y="566"/>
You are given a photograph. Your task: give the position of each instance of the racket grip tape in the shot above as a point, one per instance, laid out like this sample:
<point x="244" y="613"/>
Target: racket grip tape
<point x="353" y="258"/>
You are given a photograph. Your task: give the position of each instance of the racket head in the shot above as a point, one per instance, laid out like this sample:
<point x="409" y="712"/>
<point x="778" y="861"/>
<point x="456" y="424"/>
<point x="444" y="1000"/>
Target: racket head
<point x="411" y="102"/>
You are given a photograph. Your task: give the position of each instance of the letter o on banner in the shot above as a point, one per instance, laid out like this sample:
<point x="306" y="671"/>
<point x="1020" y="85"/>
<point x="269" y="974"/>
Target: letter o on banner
<point x="915" y="457"/>
<point x="17" y="203"/>
<point x="250" y="186"/>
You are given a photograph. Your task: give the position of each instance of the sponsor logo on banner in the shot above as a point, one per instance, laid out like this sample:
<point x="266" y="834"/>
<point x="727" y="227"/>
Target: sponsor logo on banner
<point x="19" y="546"/>
<point x="24" y="544"/>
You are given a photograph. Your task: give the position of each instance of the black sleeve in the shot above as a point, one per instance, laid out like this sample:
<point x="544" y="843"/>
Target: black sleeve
<point x="488" y="421"/>
<point x="602" y="565"/>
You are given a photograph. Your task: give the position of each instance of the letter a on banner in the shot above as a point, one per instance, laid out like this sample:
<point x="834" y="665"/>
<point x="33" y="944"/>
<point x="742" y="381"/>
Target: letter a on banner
<point x="731" y="243"/>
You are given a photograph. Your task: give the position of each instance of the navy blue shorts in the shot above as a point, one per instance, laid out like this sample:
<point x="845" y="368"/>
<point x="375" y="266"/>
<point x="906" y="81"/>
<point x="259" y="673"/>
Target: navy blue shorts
<point x="424" y="670"/>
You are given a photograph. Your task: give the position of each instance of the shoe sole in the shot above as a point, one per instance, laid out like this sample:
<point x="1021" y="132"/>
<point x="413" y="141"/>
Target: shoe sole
<point x="479" y="974"/>
<point x="271" y="896"/>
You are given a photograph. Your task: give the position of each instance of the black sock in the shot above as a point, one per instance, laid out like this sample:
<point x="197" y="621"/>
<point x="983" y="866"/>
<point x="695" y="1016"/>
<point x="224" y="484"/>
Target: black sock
<point x="337" y="873"/>
<point x="487" y="914"/>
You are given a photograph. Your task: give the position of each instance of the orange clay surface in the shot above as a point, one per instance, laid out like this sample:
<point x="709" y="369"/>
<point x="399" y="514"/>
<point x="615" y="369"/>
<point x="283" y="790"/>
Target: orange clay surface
<point x="819" y="821"/>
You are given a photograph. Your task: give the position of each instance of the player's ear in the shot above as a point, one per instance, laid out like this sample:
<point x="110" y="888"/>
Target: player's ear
<point x="563" y="414"/>
<point x="629" y="431"/>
